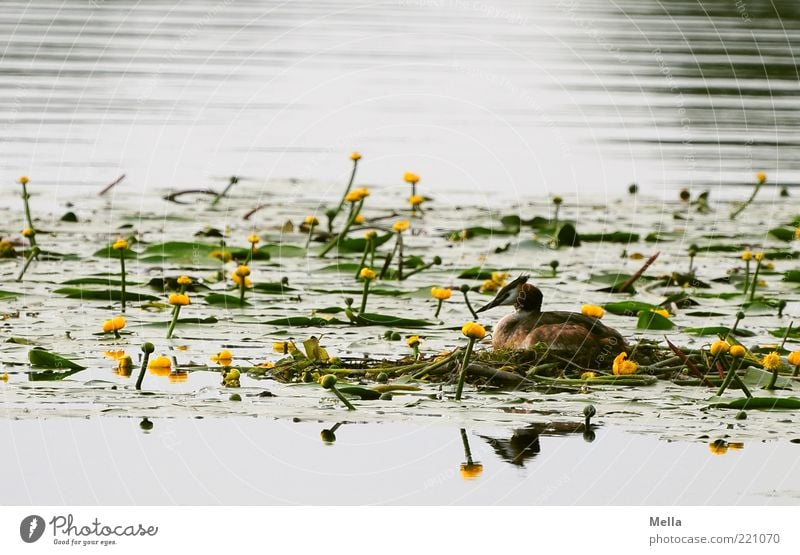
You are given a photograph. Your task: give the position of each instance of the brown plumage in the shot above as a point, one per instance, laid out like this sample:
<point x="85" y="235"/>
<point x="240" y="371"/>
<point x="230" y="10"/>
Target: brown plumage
<point x="583" y="339"/>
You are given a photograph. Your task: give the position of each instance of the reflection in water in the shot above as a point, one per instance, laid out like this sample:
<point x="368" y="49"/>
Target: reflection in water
<point x="524" y="443"/>
<point x="720" y="446"/>
<point x="146" y="425"/>
<point x="470" y="469"/>
<point x="328" y="436"/>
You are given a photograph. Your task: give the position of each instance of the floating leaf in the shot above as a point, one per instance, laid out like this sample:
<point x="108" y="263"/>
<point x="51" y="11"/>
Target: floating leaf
<point x="361" y="392"/>
<point x="387" y="320"/>
<point x="479" y="231"/>
<point x="478" y="272"/>
<point x="612" y="237"/>
<point x="794" y="333"/>
<point x="354" y="244"/>
<point x="8" y="294"/>
<point x="756" y="377"/>
<point x="108" y="252"/>
<point x="227" y="300"/>
<point x="304" y="322"/>
<point x="761" y="403"/>
<point x="782" y="234"/>
<point x="568" y="236"/>
<point x="719" y="330"/>
<point x="515" y="222"/>
<point x="46" y="359"/>
<point x="792" y="275"/>
<point x="627" y="308"/>
<point x="276" y="287"/>
<point x="649" y="320"/>
<point x="51" y="376"/>
<point x="108" y="295"/>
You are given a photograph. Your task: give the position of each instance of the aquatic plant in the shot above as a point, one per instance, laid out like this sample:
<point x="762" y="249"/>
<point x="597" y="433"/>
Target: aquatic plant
<point x="474" y="332"/>
<point x="328" y="381"/>
<point x="759" y="257"/>
<point x="241" y="277"/>
<point x="367" y="275"/>
<point x="310" y="222"/>
<point x="356" y="199"/>
<point x="412" y="179"/>
<point x="441" y="294"/>
<point x="147" y="349"/>
<point x="332" y="214"/>
<point x="465" y="291"/>
<point x="761" y="178"/>
<point x="177" y="300"/>
<point x="114" y="325"/>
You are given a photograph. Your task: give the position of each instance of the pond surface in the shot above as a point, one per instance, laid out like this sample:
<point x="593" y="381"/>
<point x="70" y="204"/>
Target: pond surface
<point x="240" y="461"/>
<point x="518" y="96"/>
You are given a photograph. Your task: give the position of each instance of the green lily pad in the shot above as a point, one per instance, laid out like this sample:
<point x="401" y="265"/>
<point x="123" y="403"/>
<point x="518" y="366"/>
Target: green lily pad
<point x="358" y="244"/>
<point x="369" y="319"/>
<point x="627" y="308"/>
<point x="50" y="375"/>
<point x="719" y="331"/>
<point x="227" y="300"/>
<point x="612" y="237"/>
<point x="108" y="295"/>
<point x="8" y="294"/>
<point x="782" y="234"/>
<point x="653" y="321"/>
<point x="761" y="403"/>
<point x="45" y="359"/>
<point x="304" y="322"/>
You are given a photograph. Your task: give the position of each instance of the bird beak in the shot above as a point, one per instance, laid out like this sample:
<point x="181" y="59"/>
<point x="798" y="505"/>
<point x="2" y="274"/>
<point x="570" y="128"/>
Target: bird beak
<point x="497" y="301"/>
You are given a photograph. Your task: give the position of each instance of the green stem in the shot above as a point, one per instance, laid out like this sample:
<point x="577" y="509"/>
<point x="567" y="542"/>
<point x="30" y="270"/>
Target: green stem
<point x="33" y="253"/>
<point x="747" y="202"/>
<point x="438" y="308"/>
<point x="122" y="276"/>
<point x="364" y="296"/>
<point x="469" y="306"/>
<point x="467" y="450"/>
<point x="463" y="375"/>
<point x="145" y="359"/>
<point x="174" y="321"/>
<point x="310" y="233"/>
<point x="367" y="248"/>
<point x="746" y="276"/>
<point x="344" y="196"/>
<point x="242" y="286"/>
<point x="755" y="280"/>
<point x="28" y="218"/>
<point x="729" y="376"/>
<point x="355" y="208"/>
<point x="234" y="180"/>
<point x="343" y="399"/>
<point x="399" y="256"/>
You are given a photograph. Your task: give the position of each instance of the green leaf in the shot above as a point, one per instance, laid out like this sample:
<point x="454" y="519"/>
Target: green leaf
<point x="761" y="403"/>
<point x="568" y="236"/>
<point x="107" y="281"/>
<point x="782" y="233"/>
<point x="792" y="275"/>
<point x="368" y="319"/>
<point x="276" y="288"/>
<point x="653" y="321"/>
<point x="304" y="322"/>
<point x="479" y="231"/>
<point x="354" y="244"/>
<point x="108" y="295"/>
<point x="627" y="308"/>
<point x="8" y="294"/>
<point x="209" y="320"/>
<point x="360" y="392"/>
<point x="108" y="252"/>
<point x="227" y="300"/>
<point x="756" y="377"/>
<point x="612" y="237"/>
<point x="46" y="359"/>
<point x="51" y="376"/>
<point x="478" y="272"/>
<point x="719" y="330"/>
<point x="515" y="222"/>
<point x="794" y="333"/>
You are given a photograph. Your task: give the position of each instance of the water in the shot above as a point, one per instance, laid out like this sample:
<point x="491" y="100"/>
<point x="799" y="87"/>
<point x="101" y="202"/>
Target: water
<point x="247" y="461"/>
<point x="515" y="97"/>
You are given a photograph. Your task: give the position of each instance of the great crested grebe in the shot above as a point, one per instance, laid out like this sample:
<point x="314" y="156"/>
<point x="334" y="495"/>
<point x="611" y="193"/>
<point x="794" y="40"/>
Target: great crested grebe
<point x="581" y="338"/>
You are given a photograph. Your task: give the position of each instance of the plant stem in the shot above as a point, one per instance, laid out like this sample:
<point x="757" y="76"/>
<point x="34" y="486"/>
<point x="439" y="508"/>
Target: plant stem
<point x="354" y="210"/>
<point x="242" y="286"/>
<point x="344" y="196"/>
<point x="746" y="276"/>
<point x="31" y="255"/>
<point x="343" y="399"/>
<point x="463" y="375"/>
<point x="469" y="306"/>
<point x="438" y="308"/>
<point x="145" y="359"/>
<point x="747" y="202"/>
<point x="310" y="233"/>
<point x="367" y="248"/>
<point x="175" y="315"/>
<point x="122" y="276"/>
<point x="399" y="256"/>
<point x="234" y="180"/>
<point x="755" y="280"/>
<point x="28" y="218"/>
<point x="364" y="296"/>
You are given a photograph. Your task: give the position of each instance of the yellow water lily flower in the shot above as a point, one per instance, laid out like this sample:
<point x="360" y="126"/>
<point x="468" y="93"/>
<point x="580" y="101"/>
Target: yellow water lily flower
<point x="489" y="285"/>
<point x="592" y="311"/>
<point x="366" y="274"/>
<point x="794" y="358"/>
<point x="115" y="324"/>
<point x="416" y="200"/>
<point x="242" y="271"/>
<point x="401" y="226"/>
<point x="413" y="341"/>
<point x="23" y="180"/>
<point x="120" y="244"/>
<point x="471" y="471"/>
<point x="624" y="367"/>
<point x="473" y="330"/>
<point x="761" y="177"/>
<point x="718" y="447"/>
<point x="311" y="220"/>
<point x="441" y="293"/>
<point x="359" y="219"/>
<point x="355" y="156"/>
<point x="28" y="232"/>
<point x="720" y="347"/>
<point x="253" y="239"/>
<point x="772" y="361"/>
<point x="177" y="299"/>
<point x="184" y="280"/>
<point x="737" y="351"/>
<point x="747" y="255"/>
<point x="410" y="177"/>
<point x="224" y="256"/>
<point x="161" y="366"/>
<point x="237" y="279"/>
<point x="661" y="312"/>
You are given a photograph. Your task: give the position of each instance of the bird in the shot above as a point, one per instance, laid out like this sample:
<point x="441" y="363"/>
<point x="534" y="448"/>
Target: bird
<point x="584" y="339"/>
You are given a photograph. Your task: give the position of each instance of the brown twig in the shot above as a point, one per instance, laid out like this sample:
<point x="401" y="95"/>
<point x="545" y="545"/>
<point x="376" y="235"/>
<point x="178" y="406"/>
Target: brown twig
<point x="111" y="185"/>
<point x="687" y="361"/>
<point x="631" y="280"/>
<point x="172" y="197"/>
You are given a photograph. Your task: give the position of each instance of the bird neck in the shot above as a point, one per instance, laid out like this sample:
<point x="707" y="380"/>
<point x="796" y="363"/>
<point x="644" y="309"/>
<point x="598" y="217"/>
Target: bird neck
<point x="529" y="299"/>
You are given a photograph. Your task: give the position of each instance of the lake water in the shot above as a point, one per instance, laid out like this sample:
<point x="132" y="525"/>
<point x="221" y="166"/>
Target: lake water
<point x="515" y="97"/>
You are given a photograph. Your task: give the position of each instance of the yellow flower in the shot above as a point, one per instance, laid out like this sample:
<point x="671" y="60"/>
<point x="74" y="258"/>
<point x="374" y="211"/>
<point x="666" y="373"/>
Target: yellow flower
<point x="242" y="271"/>
<point x="623" y="367"/>
<point x="223" y="357"/>
<point x="283" y="347"/>
<point x="353" y="196"/>
<point x="371" y="234"/>
<point x="28" y="232"/>
<point x="160" y="362"/>
<point x="416" y="200"/>
<point x="401" y="226"/>
<point x="311" y="221"/>
<point x="253" y="239"/>
<point x="737" y="351"/>
<point x="471" y="471"/>
<point x="661" y="312"/>
<point x="237" y="279"/>
<point x="177" y="299"/>
<point x="359" y="219"/>
<point x="759" y="256"/>
<point x="4" y="377"/>
<point x="120" y="244"/>
<point x="720" y="347"/>
<point x="116" y="355"/>
<point x="489" y="285"/>
<point x="557" y="200"/>
<point x="794" y="358"/>
<point x="747" y="255"/>
<point x="366" y="274"/>
<point x="592" y="311"/>
<point x="413" y="341"/>
<point x="473" y="330"/>
<point x="410" y="177"/>
<point x="115" y="324"/>
<point x="771" y="361"/>
<point x="178" y="377"/>
<point x="441" y="293"/>
<point x="588" y="375"/>
<point x="718" y="447"/>
<point x="768" y="266"/>
<point x="23" y="180"/>
<point x="266" y="364"/>
<point x="355" y="156"/>
<point x="797" y="233"/>
<point x="184" y="280"/>
<point x="500" y="277"/>
<point x="761" y="177"/>
<point x="224" y="256"/>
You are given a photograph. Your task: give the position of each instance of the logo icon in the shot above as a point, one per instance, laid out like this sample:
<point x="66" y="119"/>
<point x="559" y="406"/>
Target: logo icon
<point x="31" y="528"/>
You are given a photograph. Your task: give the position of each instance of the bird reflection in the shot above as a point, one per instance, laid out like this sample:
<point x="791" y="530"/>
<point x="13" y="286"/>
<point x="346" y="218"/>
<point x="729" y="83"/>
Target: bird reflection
<point x="524" y="444"/>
